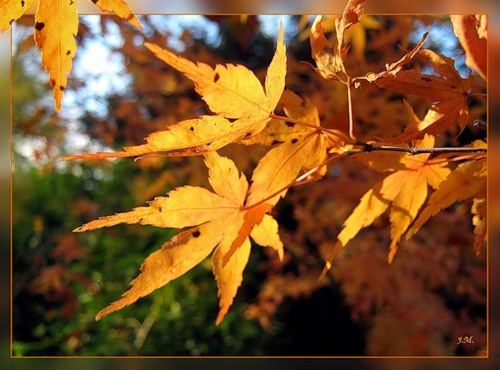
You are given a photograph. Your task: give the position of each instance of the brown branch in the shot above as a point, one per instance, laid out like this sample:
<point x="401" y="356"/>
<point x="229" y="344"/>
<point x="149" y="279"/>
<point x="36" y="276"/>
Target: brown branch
<point x="416" y="150"/>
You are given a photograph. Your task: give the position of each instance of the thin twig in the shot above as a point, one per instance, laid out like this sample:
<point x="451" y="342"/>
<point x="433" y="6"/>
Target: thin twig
<point x="301" y="180"/>
<point x="416" y="150"/>
<point x="304" y="123"/>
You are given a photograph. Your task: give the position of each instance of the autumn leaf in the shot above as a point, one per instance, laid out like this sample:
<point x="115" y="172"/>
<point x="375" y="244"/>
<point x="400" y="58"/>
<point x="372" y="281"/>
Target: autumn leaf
<point x="473" y="39"/>
<point x="220" y="221"/>
<point x="56" y="25"/>
<point x="350" y="17"/>
<point x="120" y="8"/>
<point x="468" y="180"/>
<point x="404" y="192"/>
<point x="448" y="92"/>
<point x="243" y="107"/>
<point x="299" y="148"/>
<point x="330" y="59"/>
<point x="10" y="10"/>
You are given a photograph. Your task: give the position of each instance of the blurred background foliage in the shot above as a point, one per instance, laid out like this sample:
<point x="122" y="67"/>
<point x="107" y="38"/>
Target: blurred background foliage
<point x="433" y="293"/>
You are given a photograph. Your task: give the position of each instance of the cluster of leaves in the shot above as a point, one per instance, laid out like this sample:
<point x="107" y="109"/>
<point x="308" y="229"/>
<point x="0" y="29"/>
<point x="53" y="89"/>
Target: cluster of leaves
<point x="244" y="112"/>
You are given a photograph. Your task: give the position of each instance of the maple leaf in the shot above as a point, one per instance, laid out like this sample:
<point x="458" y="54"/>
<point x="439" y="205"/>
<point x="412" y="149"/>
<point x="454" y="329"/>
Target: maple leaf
<point x="404" y="191"/>
<point x="233" y="92"/>
<point x="56" y="25"/>
<point x="300" y="148"/>
<point x="120" y="8"/>
<point x="473" y="40"/>
<point x="330" y="60"/>
<point x="448" y="93"/>
<point x="220" y="221"/>
<point x="468" y="180"/>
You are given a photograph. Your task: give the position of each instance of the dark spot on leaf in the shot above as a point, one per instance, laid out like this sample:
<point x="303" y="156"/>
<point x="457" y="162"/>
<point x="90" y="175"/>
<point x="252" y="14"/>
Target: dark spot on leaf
<point x="95" y="1"/>
<point x="22" y="4"/>
<point x="196" y="234"/>
<point x="11" y="21"/>
<point x="426" y="79"/>
<point x="277" y="142"/>
<point x="232" y="120"/>
<point x="71" y="2"/>
<point x="290" y="124"/>
<point x="294" y="141"/>
<point x="374" y="112"/>
<point x="248" y="134"/>
<point x="141" y="219"/>
<point x="68" y="52"/>
<point x="395" y="97"/>
<point x="191" y="128"/>
<point x="303" y="104"/>
<point x="39" y="26"/>
<point x="61" y="88"/>
<point x="453" y="87"/>
<point x="52" y="83"/>
<point x="360" y="121"/>
<point x="216" y="77"/>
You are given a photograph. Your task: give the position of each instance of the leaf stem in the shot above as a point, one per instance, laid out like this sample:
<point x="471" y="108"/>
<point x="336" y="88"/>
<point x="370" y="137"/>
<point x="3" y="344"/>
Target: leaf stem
<point x="304" y="123"/>
<point x="301" y="180"/>
<point x="351" y="119"/>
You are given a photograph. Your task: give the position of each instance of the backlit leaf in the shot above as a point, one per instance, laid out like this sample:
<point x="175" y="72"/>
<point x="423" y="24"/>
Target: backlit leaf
<point x="10" y="10"/>
<point x="56" y="25"/>
<point x="218" y="221"/>
<point x="120" y="8"/>
<point x="474" y="43"/>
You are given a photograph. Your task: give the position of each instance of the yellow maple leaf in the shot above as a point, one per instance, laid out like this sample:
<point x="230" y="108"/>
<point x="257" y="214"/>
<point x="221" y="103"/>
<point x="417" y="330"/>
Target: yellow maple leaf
<point x="219" y="221"/>
<point x="120" y="8"/>
<point x="300" y="148"/>
<point x="243" y="106"/>
<point x="468" y="180"/>
<point x="404" y="191"/>
<point x="56" y="25"/>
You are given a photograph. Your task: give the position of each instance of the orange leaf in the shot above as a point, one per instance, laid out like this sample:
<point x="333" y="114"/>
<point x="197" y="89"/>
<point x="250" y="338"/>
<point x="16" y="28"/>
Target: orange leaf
<point x="351" y="16"/>
<point x="120" y="8"/>
<point x="466" y="181"/>
<point x="300" y="148"/>
<point x="266" y="235"/>
<point x="56" y="25"/>
<point x="10" y="10"/>
<point x="473" y="43"/>
<point x="328" y="62"/>
<point x="175" y="258"/>
<point x="232" y="92"/>
<point x="404" y="191"/>
<point x="448" y="91"/>
<point x="229" y="273"/>
<point x="219" y="219"/>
